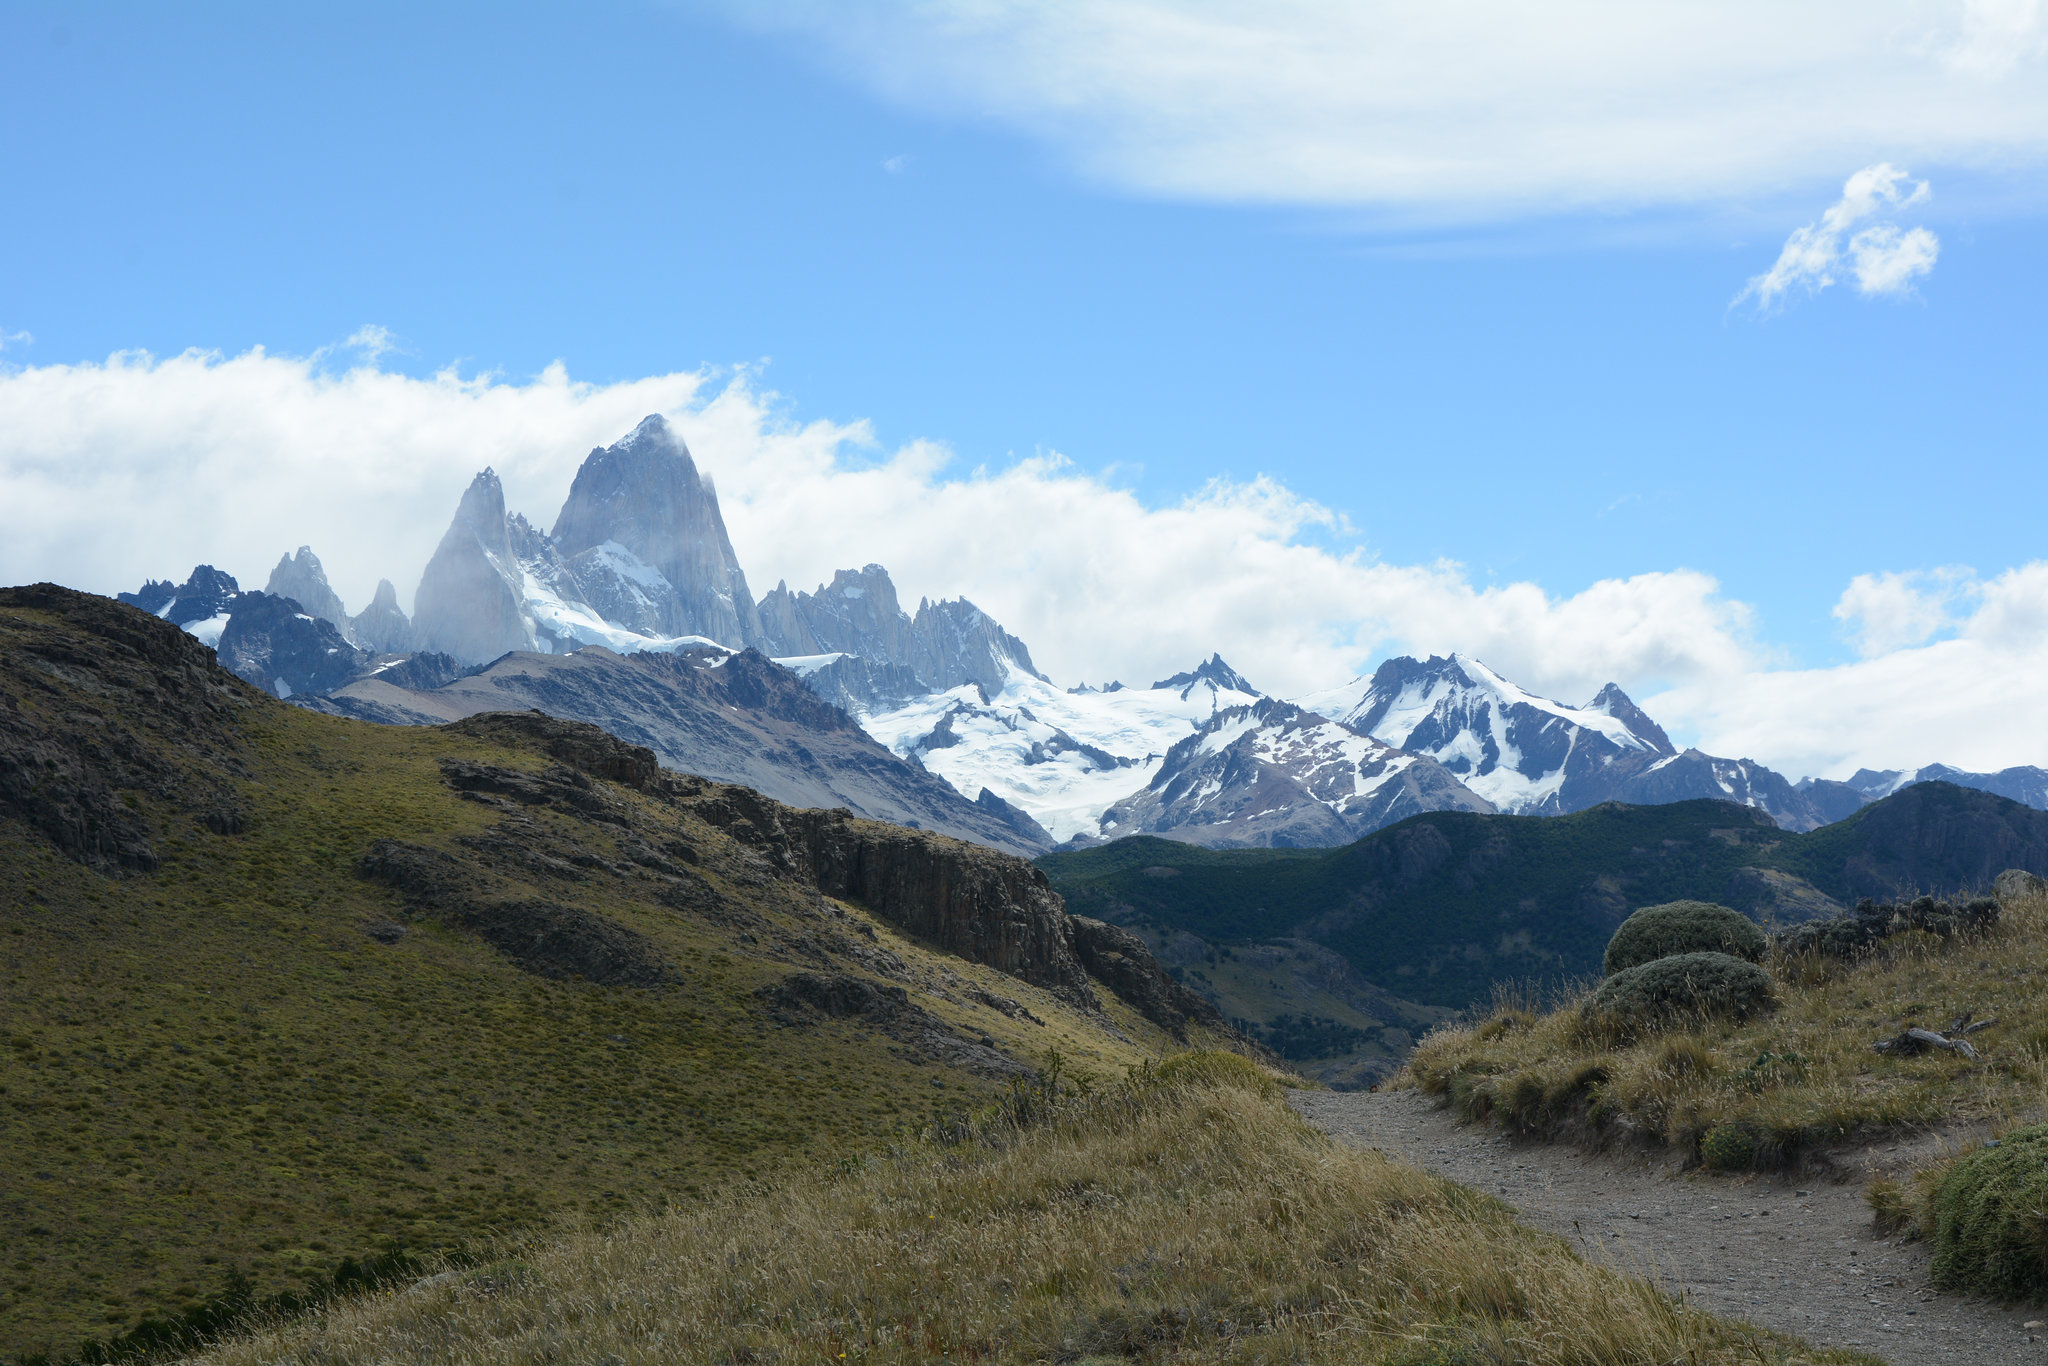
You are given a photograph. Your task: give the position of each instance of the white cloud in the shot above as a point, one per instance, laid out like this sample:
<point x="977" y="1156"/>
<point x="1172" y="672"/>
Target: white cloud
<point x="1884" y="258"/>
<point x="1888" y="260"/>
<point x="1887" y="611"/>
<point x="1974" y="700"/>
<point x="138" y="467"/>
<point x="1460" y="107"/>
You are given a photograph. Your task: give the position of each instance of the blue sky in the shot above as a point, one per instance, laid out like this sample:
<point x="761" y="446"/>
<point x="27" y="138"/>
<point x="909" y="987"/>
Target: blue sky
<point x="1548" y="384"/>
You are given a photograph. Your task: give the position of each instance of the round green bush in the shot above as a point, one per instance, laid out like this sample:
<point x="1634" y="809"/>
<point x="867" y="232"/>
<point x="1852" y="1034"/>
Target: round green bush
<point x="1991" y="1220"/>
<point x="1683" y="986"/>
<point x="1728" y="1148"/>
<point x="1682" y="927"/>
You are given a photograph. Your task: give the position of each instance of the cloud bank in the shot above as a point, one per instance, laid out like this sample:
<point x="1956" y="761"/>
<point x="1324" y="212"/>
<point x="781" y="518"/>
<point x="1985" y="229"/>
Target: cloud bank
<point x="1883" y="257"/>
<point x="1460" y="107"/>
<point x="140" y="467"/>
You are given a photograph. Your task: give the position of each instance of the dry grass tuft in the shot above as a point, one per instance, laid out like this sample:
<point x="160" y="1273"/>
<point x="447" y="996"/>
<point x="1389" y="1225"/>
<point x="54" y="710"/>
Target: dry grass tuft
<point x="1198" y="1220"/>
<point x="1801" y="1076"/>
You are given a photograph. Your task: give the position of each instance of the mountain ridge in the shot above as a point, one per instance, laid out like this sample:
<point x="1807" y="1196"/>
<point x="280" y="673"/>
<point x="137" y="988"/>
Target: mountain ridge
<point x="639" y="561"/>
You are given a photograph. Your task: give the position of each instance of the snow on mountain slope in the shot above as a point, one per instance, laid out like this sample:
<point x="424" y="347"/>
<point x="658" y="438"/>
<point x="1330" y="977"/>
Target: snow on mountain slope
<point x="1063" y="758"/>
<point x="1515" y="749"/>
<point x="1272" y="774"/>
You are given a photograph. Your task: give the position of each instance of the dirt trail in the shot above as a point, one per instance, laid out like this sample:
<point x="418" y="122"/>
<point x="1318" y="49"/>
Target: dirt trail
<point x="1800" y="1258"/>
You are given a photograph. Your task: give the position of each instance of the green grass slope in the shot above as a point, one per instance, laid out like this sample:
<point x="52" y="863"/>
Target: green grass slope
<point x="1441" y="906"/>
<point x="225" y="1051"/>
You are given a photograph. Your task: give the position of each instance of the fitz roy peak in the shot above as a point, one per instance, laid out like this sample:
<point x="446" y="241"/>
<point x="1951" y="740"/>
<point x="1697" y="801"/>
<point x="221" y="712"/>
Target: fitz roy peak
<point x="639" y="559"/>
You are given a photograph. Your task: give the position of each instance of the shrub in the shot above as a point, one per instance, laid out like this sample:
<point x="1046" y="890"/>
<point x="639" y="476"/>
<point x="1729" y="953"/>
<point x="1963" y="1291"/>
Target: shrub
<point x="1682" y="927"/>
<point x="1872" y="922"/>
<point x="1991" y="1220"/>
<point x="1683" y="986"/>
<point x="1216" y="1068"/>
<point x="1729" y="1148"/>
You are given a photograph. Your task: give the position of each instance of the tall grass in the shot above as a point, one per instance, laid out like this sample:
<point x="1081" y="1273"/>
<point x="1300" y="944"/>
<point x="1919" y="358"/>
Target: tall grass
<point x="1188" y="1215"/>
<point x="1769" y="1088"/>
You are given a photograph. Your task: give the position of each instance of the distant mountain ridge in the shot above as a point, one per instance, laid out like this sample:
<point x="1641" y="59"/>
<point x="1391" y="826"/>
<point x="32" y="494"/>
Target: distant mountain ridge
<point x="639" y="561"/>
<point x="1442" y="905"/>
<point x="1529" y="755"/>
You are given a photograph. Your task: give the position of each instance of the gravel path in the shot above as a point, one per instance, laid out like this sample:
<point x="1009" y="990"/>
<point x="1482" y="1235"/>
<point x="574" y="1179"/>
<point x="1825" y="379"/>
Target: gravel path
<point x="1800" y="1259"/>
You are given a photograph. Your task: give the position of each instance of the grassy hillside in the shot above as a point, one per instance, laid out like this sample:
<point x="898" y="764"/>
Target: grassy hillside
<point x="1805" y="1074"/>
<point x="226" y="1050"/>
<point x="1185" y="1217"/>
<point x="1440" y="907"/>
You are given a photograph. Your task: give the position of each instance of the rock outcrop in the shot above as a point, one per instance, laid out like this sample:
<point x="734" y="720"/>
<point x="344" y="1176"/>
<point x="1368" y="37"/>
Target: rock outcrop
<point x="103" y="708"/>
<point x="383" y="626"/>
<point x="1120" y="960"/>
<point x="967" y="899"/>
<point x="470" y="602"/>
<point x="971" y="901"/>
<point x="642" y="535"/>
<point x="948" y="644"/>
<point x="207" y="594"/>
<point x="283" y="650"/>
<point x="301" y="578"/>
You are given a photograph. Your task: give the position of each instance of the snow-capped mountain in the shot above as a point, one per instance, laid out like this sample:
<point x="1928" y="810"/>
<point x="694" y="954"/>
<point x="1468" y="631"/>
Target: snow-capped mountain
<point x="1063" y="757"/>
<point x="1272" y="774"/>
<point x="1517" y="750"/>
<point x="201" y="604"/>
<point x="639" y="559"/>
<point x="1531" y="755"/>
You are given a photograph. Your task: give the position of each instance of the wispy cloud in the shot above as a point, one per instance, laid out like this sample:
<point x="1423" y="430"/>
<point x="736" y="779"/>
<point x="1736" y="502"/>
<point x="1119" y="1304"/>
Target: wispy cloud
<point x="896" y="165"/>
<point x="372" y="341"/>
<point x="1883" y="257"/>
<point x="1471" y="110"/>
<point x="1888" y="611"/>
<point x="8" y="339"/>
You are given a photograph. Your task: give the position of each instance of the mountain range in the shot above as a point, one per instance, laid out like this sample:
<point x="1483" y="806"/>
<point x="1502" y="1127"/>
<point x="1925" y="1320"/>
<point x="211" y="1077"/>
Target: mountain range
<point x="627" y="610"/>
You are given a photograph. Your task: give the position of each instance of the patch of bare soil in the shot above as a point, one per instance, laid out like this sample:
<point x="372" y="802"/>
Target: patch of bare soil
<point x="1797" y="1254"/>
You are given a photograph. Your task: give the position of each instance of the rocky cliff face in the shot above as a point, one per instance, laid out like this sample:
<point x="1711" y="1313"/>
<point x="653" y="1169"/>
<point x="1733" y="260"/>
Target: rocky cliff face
<point x="271" y="643"/>
<point x="301" y="578"/>
<point x="946" y="645"/>
<point x="207" y="595"/>
<point x="958" y="643"/>
<point x="383" y="625"/>
<point x="470" y="602"/>
<point x="643" y="536"/>
<point x="971" y="901"/>
<point x="966" y="899"/>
